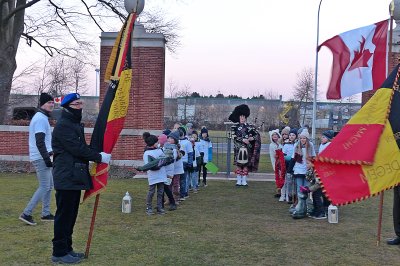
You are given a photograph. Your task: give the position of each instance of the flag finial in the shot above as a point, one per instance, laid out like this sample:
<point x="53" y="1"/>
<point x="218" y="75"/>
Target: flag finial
<point x="134" y="6"/>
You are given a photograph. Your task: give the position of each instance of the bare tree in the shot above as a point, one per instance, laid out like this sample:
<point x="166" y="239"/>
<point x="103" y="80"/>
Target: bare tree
<point x="59" y="27"/>
<point x="303" y="90"/>
<point x="270" y="95"/>
<point x="78" y="71"/>
<point x="172" y="88"/>
<point x="184" y="94"/>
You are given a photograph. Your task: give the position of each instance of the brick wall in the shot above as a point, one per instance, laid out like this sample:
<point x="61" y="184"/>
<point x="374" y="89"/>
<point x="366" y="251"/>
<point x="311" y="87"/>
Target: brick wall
<point x="146" y="105"/>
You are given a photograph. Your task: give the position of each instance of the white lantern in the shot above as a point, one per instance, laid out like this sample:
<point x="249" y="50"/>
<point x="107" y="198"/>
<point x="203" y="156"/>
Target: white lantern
<point x="134" y="6"/>
<point x="127" y="203"/>
<point x="333" y="214"/>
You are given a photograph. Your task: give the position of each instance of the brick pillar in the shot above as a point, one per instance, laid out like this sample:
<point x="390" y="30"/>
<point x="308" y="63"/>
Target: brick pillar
<point x="146" y="104"/>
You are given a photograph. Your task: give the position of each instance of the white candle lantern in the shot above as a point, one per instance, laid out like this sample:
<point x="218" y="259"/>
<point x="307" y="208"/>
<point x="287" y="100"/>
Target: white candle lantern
<point x="127" y="203"/>
<point x="333" y="214"/>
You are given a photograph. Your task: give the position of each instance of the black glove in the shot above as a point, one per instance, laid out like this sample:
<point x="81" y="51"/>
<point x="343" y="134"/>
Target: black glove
<point x="48" y="162"/>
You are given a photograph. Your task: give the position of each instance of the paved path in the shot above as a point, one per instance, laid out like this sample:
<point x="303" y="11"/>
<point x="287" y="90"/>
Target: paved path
<point x="223" y="176"/>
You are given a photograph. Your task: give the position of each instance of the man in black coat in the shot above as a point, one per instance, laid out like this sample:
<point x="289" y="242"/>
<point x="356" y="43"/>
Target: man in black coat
<point x="71" y="175"/>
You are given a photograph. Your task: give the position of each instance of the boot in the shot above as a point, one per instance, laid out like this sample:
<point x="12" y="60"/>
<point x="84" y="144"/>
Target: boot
<point x="301" y="207"/>
<point x="239" y="180"/>
<point x="283" y="193"/>
<point x="244" y="181"/>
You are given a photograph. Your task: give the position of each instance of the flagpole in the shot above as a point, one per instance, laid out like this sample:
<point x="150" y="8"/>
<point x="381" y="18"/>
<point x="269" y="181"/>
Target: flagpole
<point x="314" y="110"/>
<point x="89" y="240"/>
<point x="382" y="194"/>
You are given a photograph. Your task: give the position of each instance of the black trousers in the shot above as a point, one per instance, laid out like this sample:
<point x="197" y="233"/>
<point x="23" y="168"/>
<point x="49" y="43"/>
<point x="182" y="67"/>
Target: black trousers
<point x="169" y="194"/>
<point x="67" y="202"/>
<point x="396" y="210"/>
<point x="203" y="167"/>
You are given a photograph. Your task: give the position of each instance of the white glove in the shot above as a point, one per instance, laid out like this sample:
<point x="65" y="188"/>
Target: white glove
<point x="105" y="157"/>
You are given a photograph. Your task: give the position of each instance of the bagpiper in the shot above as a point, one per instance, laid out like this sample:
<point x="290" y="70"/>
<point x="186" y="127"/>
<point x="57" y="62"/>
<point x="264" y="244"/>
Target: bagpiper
<point x="247" y="144"/>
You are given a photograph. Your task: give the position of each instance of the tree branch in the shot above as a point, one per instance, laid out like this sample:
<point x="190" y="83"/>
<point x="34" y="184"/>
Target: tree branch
<point x="20" y="7"/>
<point x="112" y="7"/>
<point x="91" y="15"/>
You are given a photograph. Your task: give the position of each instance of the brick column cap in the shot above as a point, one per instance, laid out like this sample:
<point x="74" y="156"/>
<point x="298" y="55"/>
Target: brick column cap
<point x="141" y="38"/>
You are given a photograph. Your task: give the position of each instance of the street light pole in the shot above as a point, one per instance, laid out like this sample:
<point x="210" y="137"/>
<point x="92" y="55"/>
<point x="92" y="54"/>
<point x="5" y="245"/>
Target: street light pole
<point x="314" y="111"/>
<point x="97" y="79"/>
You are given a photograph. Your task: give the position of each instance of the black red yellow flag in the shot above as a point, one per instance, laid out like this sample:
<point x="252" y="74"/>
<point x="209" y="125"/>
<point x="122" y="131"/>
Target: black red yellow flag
<point x="364" y="158"/>
<point x="113" y="111"/>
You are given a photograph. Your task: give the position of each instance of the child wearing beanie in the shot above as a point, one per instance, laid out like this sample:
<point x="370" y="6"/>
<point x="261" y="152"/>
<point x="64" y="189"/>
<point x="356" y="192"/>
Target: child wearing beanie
<point x="156" y="177"/>
<point x="205" y="150"/>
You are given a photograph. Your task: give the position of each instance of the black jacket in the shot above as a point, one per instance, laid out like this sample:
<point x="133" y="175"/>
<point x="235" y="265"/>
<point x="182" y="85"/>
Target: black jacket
<point x="71" y="154"/>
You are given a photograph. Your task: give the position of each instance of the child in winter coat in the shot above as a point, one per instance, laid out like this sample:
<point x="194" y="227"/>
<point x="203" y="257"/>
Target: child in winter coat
<point x="169" y="151"/>
<point x="275" y="150"/>
<point x="187" y="159"/>
<point x="173" y="143"/>
<point x="320" y="202"/>
<point x="303" y="150"/>
<point x="156" y="177"/>
<point x="205" y="149"/>
<point x="196" y="155"/>
<point x="287" y="149"/>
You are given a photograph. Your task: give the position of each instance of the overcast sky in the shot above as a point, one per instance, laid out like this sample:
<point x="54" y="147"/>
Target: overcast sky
<point x="255" y="46"/>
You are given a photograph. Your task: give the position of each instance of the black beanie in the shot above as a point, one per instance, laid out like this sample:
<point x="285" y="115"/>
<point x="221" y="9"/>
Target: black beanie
<point x="151" y="140"/>
<point x="44" y="98"/>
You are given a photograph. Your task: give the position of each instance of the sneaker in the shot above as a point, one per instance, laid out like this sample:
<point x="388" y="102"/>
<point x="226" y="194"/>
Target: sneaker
<point x="28" y="219"/>
<point x="76" y="254"/>
<point x="48" y="218"/>
<point x="161" y="211"/>
<point x="205" y="185"/>
<point x="320" y="216"/>
<point x="149" y="211"/>
<point x="67" y="259"/>
<point x="182" y="199"/>
<point x="172" y="207"/>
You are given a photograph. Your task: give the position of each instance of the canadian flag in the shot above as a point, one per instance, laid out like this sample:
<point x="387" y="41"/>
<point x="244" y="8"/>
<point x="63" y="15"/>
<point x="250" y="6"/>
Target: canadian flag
<point x="359" y="60"/>
<point x="58" y="99"/>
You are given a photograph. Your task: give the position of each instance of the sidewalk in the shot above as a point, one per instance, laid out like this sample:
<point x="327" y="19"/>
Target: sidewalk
<point x="223" y="176"/>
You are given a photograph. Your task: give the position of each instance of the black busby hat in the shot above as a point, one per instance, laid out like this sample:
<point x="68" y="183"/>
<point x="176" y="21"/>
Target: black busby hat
<point x="239" y="110"/>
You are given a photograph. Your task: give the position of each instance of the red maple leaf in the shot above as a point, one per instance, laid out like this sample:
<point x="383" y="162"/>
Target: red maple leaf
<point x="361" y="57"/>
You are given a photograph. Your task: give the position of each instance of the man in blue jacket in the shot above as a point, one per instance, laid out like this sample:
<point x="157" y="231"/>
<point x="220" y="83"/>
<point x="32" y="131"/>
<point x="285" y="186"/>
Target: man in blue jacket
<point x="71" y="175"/>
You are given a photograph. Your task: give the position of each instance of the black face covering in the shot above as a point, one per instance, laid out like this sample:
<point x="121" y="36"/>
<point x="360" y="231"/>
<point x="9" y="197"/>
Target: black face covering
<point x="76" y="112"/>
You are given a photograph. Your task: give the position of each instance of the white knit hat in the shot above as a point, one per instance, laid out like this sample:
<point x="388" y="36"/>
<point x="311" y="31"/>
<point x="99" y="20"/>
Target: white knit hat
<point x="275" y="131"/>
<point x="304" y="133"/>
<point x="285" y="130"/>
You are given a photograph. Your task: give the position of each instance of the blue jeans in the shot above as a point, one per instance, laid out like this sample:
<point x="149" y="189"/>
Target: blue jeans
<point x="183" y="184"/>
<point x="43" y="192"/>
<point x="300" y="181"/>
<point x="194" y="179"/>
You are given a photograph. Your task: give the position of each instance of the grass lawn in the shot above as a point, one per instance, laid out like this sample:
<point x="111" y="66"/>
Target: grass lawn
<point x="221" y="225"/>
